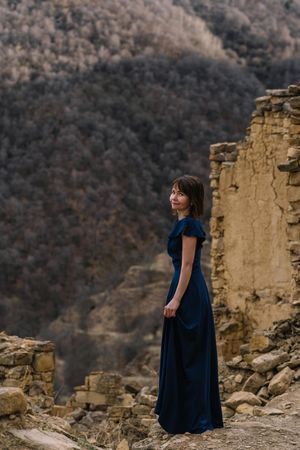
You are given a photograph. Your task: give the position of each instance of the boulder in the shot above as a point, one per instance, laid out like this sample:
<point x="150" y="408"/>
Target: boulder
<point x="240" y="397"/>
<point x="123" y="445"/>
<point x="281" y="381"/>
<point x="260" y="343"/>
<point x="266" y="411"/>
<point x="268" y="361"/>
<point x="47" y="440"/>
<point x="12" y="401"/>
<point x="254" y="382"/>
<point x="244" y="408"/>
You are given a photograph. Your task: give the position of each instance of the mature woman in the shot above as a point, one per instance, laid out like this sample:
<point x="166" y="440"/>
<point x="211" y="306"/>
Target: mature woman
<point x="188" y="398"/>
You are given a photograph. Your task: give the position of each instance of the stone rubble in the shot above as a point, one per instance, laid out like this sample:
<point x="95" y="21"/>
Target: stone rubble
<point x="28" y="364"/>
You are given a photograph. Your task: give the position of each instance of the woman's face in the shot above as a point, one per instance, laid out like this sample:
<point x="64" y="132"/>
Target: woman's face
<point x="179" y="200"/>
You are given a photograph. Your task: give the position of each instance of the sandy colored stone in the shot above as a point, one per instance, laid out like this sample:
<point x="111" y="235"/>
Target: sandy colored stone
<point x="118" y="411"/>
<point x="61" y="410"/>
<point x="263" y="182"/>
<point x="254" y="382"/>
<point x="95" y="398"/>
<point x="281" y="381"/>
<point x="261" y="343"/>
<point x="227" y="412"/>
<point x="266" y="411"/>
<point x="123" y="445"/>
<point x="147" y="399"/>
<point x="47" y="440"/>
<point x="244" y="408"/>
<point x="140" y="409"/>
<point x="268" y="361"/>
<point x="242" y="397"/>
<point x="12" y="400"/>
<point x="126" y="399"/>
<point x="43" y="362"/>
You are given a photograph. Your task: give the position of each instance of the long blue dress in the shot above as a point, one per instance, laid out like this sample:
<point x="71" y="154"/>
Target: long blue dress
<point x="188" y="396"/>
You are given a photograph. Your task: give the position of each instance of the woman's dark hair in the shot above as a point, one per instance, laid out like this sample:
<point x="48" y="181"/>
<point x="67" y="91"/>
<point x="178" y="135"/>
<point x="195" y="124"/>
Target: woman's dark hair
<point x="191" y="186"/>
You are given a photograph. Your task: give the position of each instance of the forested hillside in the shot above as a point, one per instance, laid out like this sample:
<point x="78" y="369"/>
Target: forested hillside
<point x="263" y="36"/>
<point x="102" y="104"/>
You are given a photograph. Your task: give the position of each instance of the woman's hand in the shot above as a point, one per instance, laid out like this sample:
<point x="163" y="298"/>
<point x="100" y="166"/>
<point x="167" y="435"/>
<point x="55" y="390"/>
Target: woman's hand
<point x="171" y="307"/>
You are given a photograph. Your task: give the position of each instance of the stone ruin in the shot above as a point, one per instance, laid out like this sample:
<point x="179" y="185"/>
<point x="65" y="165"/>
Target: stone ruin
<point x="255" y="222"/>
<point x="29" y="365"/>
<point x="116" y="411"/>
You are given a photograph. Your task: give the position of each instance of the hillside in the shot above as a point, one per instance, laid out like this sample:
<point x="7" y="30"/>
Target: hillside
<point x="103" y="103"/>
<point x="263" y="36"/>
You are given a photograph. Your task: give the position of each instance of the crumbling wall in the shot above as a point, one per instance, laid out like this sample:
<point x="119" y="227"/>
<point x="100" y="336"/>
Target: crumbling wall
<point x="255" y="225"/>
<point x="28" y="364"/>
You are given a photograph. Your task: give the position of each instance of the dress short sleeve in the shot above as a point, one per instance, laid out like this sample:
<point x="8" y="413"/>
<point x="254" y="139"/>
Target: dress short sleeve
<point x="189" y="227"/>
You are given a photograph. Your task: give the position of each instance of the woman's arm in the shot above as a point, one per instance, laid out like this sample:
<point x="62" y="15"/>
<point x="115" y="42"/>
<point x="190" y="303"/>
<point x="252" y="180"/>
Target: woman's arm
<point x="188" y="254"/>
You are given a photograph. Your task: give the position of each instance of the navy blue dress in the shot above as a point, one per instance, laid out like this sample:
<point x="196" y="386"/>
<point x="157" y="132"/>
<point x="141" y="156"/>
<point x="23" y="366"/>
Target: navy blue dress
<point x="188" y="396"/>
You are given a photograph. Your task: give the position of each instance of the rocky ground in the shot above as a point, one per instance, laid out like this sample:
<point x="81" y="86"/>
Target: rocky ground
<point x="260" y="394"/>
<point x="280" y="429"/>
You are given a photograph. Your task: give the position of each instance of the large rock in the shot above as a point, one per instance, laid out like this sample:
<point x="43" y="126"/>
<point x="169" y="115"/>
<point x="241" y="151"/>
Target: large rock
<point x="268" y="361"/>
<point x="254" y="382"/>
<point x="266" y="411"/>
<point x="43" y="362"/>
<point x="12" y="400"/>
<point x="244" y="408"/>
<point x="260" y="343"/>
<point x="95" y="398"/>
<point x="281" y="381"/>
<point x="123" y="445"/>
<point x="239" y="397"/>
<point x="46" y="440"/>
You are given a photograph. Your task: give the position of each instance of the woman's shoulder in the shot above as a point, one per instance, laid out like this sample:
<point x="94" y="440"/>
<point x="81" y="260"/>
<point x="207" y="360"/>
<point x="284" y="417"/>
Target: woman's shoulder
<point x="189" y="226"/>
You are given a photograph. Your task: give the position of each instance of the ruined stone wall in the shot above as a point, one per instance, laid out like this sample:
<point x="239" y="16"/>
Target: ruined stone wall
<point x="255" y="224"/>
<point x="28" y="364"/>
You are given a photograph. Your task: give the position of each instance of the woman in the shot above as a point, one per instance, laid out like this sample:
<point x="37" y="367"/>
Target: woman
<point x="188" y="397"/>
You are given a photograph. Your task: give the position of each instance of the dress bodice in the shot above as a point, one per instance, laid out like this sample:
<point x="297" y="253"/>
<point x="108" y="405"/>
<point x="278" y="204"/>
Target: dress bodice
<point x="189" y="227"/>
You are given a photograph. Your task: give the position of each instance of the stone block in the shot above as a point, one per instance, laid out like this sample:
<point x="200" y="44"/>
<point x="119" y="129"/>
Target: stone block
<point x="268" y="361"/>
<point x="294" y="247"/>
<point x="47" y="376"/>
<point x="295" y="101"/>
<point x="123" y="445"/>
<point x="240" y="397"/>
<point x="140" y="409"/>
<point x="260" y="343"/>
<point x="227" y="412"/>
<point x="126" y="399"/>
<point x="147" y="399"/>
<point x="254" y="382"/>
<point x="95" y="398"/>
<point x="117" y="411"/>
<point x="294" y="178"/>
<point x="43" y="362"/>
<point x="281" y="381"/>
<point x="293" y="193"/>
<point x="12" y="401"/>
<point x="148" y="421"/>
<point x="61" y="410"/>
<point x="18" y="372"/>
<point x="293" y="231"/>
<point x="244" y="408"/>
<point x="104" y="382"/>
<point x="266" y="411"/>
<point x="12" y="382"/>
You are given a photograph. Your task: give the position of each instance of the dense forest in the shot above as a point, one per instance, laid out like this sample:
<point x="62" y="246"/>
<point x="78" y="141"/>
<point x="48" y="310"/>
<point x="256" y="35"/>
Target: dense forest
<point x="102" y="104"/>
